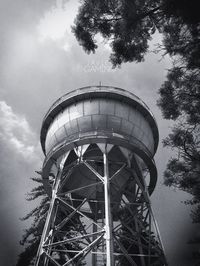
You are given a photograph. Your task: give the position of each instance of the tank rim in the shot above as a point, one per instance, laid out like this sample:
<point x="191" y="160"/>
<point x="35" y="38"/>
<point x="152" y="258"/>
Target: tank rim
<point x="89" y="92"/>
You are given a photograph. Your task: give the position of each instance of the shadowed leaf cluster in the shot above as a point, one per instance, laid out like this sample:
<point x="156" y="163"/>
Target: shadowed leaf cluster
<point x="128" y="26"/>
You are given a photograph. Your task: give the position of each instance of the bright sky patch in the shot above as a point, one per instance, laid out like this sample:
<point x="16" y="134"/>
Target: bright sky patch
<point x="56" y="24"/>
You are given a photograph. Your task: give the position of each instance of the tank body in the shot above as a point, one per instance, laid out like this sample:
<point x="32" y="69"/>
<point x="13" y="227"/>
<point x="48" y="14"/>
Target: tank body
<point x="102" y="111"/>
<point x="94" y="116"/>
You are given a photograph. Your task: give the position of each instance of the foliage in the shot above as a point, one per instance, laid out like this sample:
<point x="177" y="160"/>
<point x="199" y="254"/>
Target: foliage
<point x="183" y="170"/>
<point x="180" y="95"/>
<point x="128" y="25"/>
<point x="32" y="235"/>
<point x="180" y="101"/>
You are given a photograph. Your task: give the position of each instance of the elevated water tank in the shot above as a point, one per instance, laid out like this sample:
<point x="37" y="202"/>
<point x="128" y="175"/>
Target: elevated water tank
<point x="99" y="114"/>
<point x="99" y="143"/>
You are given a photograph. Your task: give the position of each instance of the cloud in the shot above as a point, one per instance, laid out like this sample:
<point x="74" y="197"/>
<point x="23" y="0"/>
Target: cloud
<point x="57" y="21"/>
<point x="19" y="155"/>
<point x="16" y="131"/>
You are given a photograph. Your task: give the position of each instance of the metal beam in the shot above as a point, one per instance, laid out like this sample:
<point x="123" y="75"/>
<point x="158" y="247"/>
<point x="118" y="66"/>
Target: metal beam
<point x="108" y="215"/>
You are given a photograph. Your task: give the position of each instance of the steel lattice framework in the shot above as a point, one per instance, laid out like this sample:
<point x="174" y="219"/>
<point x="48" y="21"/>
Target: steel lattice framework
<point x="100" y="211"/>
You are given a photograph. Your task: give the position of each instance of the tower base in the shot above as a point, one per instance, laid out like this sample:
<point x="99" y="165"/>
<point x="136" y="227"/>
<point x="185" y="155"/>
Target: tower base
<point x="100" y="211"/>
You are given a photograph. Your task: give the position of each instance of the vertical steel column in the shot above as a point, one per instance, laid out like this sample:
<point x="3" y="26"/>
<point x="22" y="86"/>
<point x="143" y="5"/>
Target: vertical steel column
<point x="108" y="216"/>
<point x="94" y="230"/>
<point x="50" y="217"/>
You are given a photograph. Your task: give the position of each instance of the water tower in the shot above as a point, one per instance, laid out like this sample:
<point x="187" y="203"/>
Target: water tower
<point x="99" y="172"/>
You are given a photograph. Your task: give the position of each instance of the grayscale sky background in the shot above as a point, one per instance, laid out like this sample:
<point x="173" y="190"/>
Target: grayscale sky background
<point x="39" y="61"/>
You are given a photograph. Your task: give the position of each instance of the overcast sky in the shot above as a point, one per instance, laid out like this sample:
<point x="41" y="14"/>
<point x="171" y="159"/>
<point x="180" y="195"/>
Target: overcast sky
<point x="39" y="61"/>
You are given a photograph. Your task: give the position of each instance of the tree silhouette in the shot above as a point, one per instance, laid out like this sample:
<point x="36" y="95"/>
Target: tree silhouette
<point x="128" y="25"/>
<point x="32" y="235"/>
<point x="180" y="100"/>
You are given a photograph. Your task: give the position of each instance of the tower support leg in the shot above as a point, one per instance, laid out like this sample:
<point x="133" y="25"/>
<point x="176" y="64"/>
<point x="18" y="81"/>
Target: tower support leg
<point x="108" y="215"/>
<point x="49" y="221"/>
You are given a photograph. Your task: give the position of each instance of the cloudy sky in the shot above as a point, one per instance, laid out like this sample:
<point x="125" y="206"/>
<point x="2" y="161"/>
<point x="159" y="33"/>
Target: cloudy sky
<point x="39" y="61"/>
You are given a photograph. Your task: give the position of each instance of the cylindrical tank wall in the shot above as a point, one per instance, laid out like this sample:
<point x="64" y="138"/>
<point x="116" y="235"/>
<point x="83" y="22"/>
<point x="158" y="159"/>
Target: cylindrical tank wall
<point x="97" y="114"/>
